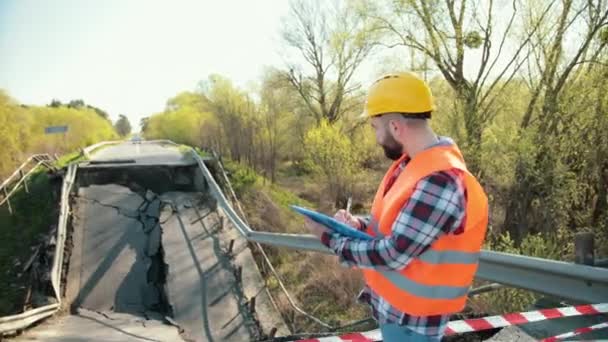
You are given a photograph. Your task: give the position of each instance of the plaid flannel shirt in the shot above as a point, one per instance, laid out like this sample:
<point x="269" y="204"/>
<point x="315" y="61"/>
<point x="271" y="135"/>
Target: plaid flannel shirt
<point x="436" y="207"/>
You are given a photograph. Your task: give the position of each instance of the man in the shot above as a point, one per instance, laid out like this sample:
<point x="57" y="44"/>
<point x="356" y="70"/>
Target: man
<point x="428" y="219"/>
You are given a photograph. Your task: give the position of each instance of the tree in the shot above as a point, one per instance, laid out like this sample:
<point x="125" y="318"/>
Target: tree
<point x="235" y="113"/>
<point x="276" y="118"/>
<point x="443" y="31"/>
<point x="333" y="41"/>
<point x="122" y="126"/>
<point x="333" y="155"/>
<point x="143" y="124"/>
<point x="55" y="103"/>
<point x="76" y="104"/>
<point x="548" y="120"/>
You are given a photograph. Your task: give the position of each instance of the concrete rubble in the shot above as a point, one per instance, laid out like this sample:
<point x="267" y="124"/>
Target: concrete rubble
<point x="157" y="267"/>
<point x="120" y="240"/>
<point x="89" y="325"/>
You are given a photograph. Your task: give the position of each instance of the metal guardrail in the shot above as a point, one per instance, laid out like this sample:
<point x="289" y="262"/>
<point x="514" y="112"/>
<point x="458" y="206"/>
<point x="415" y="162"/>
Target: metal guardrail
<point x="566" y="280"/>
<point x="87" y="150"/>
<point x="556" y="278"/>
<point x="25" y="319"/>
<point x="40" y="159"/>
<point x="290" y="299"/>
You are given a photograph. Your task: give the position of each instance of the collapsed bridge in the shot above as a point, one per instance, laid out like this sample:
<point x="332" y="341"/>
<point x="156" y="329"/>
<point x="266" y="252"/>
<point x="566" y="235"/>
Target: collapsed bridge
<point x="156" y="252"/>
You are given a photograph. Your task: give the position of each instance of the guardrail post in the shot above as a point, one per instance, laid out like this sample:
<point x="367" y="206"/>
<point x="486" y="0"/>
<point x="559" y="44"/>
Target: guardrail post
<point x="583" y="249"/>
<point x="8" y="201"/>
<point x="24" y="181"/>
<point x="272" y="332"/>
<point x="239" y="274"/>
<point x="230" y="246"/>
<point x="252" y="305"/>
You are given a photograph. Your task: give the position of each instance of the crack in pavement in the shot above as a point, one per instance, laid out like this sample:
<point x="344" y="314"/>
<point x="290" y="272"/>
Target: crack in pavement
<point x="118" y="209"/>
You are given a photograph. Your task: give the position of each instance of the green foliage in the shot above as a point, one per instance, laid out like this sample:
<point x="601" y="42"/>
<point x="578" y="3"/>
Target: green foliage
<point x="603" y="36"/>
<point x="558" y="246"/>
<point x="184" y="121"/>
<point x="332" y="155"/>
<point x="241" y="177"/>
<point x="473" y="40"/>
<point x="69" y="158"/>
<point x="285" y="198"/>
<point x="33" y="214"/>
<point x="22" y="130"/>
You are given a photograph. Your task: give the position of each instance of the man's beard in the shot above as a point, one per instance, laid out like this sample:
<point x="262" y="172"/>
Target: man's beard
<point x="392" y="148"/>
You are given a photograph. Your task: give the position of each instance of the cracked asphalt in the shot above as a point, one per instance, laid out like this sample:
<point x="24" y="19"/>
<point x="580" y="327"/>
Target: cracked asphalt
<point x="116" y="278"/>
<point x="142" y="154"/>
<point x="141" y="260"/>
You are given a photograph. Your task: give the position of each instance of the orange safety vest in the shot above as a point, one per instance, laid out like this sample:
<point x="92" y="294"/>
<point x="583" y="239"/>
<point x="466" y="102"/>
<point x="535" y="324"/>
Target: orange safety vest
<point x="437" y="281"/>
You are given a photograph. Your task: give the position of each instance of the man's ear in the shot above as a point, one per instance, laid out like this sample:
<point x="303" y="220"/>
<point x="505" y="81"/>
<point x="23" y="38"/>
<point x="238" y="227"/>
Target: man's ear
<point x="394" y="128"/>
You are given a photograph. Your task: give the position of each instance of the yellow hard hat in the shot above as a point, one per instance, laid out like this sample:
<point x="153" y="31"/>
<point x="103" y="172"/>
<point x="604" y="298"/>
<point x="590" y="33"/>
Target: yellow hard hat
<point x="401" y="92"/>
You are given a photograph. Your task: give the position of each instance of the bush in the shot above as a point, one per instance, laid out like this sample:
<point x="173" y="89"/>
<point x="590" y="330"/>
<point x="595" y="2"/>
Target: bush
<point x="556" y="246"/>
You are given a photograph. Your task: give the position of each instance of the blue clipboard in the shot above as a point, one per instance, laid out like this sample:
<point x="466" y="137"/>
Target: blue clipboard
<point x="331" y="223"/>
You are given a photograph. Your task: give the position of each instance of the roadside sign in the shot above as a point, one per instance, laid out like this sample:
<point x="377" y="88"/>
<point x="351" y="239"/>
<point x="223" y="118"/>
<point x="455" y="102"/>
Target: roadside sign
<point x="55" y="129"/>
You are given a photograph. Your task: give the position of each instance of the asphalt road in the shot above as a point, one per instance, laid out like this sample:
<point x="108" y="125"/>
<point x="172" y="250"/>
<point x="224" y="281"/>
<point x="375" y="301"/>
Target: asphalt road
<point x="144" y="153"/>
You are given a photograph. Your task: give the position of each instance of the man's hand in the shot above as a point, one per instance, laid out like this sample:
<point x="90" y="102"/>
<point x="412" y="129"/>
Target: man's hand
<point x="315" y="228"/>
<point x="344" y="216"/>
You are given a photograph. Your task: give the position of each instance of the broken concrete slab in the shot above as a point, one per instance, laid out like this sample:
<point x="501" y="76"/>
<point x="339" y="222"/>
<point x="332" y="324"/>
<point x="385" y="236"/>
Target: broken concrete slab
<point x="115" y="259"/>
<point x="149" y="223"/>
<point x="181" y="200"/>
<point x="200" y="283"/>
<point x="150" y="196"/>
<point x="89" y="325"/>
<point x="166" y="212"/>
<point x="154" y="239"/>
<point x="151" y="296"/>
<point x="153" y="209"/>
<point x="118" y="197"/>
<point x="252" y="282"/>
<point x="112" y="193"/>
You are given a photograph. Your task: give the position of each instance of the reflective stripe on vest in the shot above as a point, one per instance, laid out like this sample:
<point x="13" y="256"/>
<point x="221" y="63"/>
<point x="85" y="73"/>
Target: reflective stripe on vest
<point x="421" y="290"/>
<point x="449" y="257"/>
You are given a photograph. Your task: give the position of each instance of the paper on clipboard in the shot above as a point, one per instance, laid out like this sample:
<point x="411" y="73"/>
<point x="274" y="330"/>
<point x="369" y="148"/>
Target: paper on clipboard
<point x="331" y="223"/>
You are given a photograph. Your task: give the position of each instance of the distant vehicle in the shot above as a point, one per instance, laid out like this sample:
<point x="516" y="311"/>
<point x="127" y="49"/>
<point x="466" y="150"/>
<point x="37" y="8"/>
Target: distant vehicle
<point x="136" y="139"/>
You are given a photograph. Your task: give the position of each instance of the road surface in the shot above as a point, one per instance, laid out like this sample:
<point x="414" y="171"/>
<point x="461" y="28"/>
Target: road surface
<point x="155" y="267"/>
<point x="141" y="154"/>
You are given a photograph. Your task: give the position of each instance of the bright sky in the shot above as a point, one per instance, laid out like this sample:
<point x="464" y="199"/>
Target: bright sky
<point x="129" y="57"/>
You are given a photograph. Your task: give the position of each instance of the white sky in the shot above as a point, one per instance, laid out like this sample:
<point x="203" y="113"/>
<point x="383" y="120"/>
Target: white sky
<point x="129" y="57"/>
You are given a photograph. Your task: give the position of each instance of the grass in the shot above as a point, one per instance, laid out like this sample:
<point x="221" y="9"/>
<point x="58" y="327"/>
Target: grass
<point x="32" y="216"/>
<point x="69" y="158"/>
<point x="318" y="283"/>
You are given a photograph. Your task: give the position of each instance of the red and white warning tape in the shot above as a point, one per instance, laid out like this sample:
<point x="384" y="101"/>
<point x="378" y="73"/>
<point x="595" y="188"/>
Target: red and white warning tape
<point x="485" y="323"/>
<point x="576" y="332"/>
<point x="478" y="324"/>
